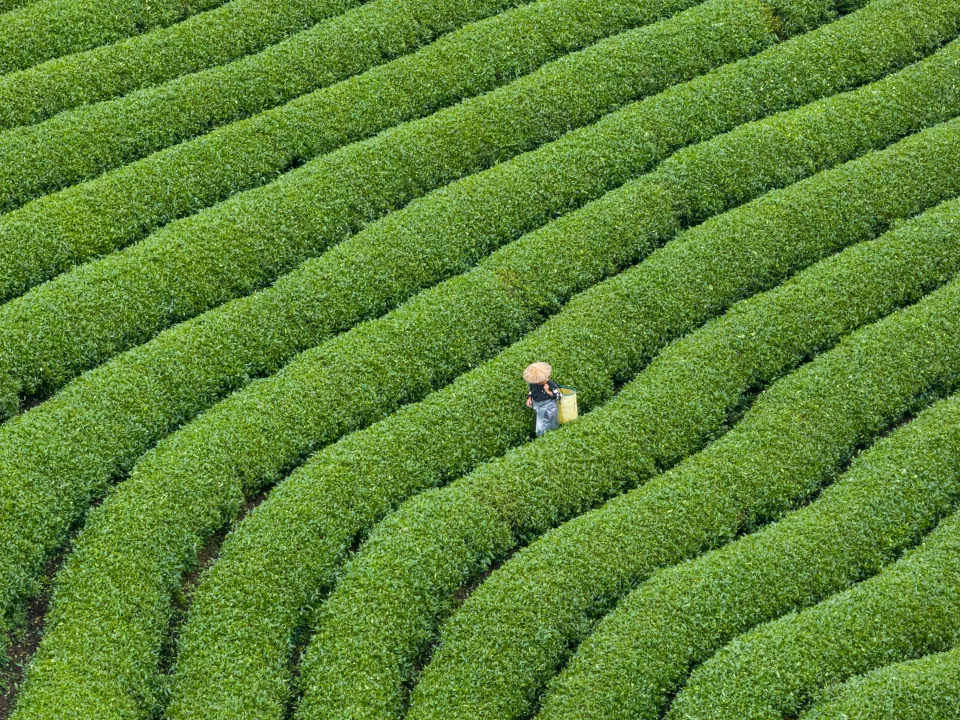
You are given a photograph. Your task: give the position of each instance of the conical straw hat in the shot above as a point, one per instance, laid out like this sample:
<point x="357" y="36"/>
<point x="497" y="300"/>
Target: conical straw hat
<point x="538" y="373"/>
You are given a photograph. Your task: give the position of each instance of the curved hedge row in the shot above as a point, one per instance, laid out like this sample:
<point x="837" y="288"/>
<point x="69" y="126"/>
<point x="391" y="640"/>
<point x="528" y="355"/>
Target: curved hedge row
<point x="909" y="610"/>
<point x="928" y="687"/>
<point x="50" y="28"/>
<point x="893" y="495"/>
<point x="248" y="606"/>
<point x="83" y="143"/>
<point x="188" y="367"/>
<point x="205" y="40"/>
<point x="511" y="635"/>
<point x="95" y="218"/>
<point x="84" y="317"/>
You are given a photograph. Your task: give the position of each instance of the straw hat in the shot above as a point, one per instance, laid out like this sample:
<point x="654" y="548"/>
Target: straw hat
<point x="537" y="373"/>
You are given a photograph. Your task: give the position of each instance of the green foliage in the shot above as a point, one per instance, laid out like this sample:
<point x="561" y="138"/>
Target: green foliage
<point x="295" y="391"/>
<point x="496" y="654"/>
<point x="928" y="687"/>
<point x="104" y="639"/>
<point x="80" y="319"/>
<point x="358" y="378"/>
<point x="44" y="348"/>
<point x="275" y="564"/>
<point x="130" y="404"/>
<point x="51" y="28"/>
<point x="909" y="610"/>
<point x="893" y="495"/>
<point x="6" y="5"/>
<point x="201" y="41"/>
<point x="85" y="142"/>
<point x="97" y="217"/>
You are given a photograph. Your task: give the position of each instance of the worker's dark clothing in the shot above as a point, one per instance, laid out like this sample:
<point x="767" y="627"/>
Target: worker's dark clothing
<point x="545" y="406"/>
<point x="540" y="395"/>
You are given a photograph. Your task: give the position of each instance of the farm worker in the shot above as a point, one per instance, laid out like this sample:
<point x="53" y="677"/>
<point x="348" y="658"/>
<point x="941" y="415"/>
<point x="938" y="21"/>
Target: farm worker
<point x="543" y="396"/>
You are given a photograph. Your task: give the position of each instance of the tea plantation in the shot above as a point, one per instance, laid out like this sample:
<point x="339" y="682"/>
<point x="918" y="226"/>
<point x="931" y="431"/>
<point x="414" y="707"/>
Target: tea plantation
<point x="270" y="275"/>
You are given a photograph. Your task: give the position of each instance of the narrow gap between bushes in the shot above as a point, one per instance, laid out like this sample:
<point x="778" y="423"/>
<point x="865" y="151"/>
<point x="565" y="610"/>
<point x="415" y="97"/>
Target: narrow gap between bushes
<point x="29" y="402"/>
<point x="25" y="404"/>
<point x="917" y="405"/>
<point x="460" y="597"/>
<point x="27" y="632"/>
<point x="205" y="559"/>
<point x="464" y="593"/>
<point x="302" y="636"/>
<point x="27" y="636"/>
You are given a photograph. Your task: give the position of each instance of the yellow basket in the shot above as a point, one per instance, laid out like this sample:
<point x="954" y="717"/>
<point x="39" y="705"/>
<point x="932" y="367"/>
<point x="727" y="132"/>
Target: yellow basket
<point x="567" y="404"/>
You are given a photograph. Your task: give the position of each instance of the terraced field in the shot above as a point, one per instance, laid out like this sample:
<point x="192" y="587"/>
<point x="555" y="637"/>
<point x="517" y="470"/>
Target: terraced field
<point x="270" y="272"/>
